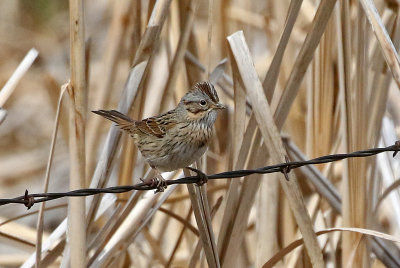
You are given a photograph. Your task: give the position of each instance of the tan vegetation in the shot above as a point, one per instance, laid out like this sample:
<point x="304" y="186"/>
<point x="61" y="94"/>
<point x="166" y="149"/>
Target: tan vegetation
<point x="324" y="75"/>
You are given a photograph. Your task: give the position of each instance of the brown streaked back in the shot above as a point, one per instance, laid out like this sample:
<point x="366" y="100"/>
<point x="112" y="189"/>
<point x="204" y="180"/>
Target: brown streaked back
<point x="150" y="126"/>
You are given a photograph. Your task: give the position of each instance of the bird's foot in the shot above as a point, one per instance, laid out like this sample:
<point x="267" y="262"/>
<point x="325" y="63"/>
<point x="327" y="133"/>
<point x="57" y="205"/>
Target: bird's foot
<point x="158" y="182"/>
<point x="202" y="176"/>
<point x="161" y="185"/>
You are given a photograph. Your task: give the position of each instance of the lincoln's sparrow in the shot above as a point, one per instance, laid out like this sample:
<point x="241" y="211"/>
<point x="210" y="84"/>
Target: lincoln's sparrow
<point x="178" y="137"/>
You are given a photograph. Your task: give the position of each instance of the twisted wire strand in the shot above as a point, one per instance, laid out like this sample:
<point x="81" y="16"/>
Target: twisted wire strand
<point x="30" y="199"/>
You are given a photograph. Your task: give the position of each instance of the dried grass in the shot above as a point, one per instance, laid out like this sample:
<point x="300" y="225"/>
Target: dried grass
<point x="328" y="68"/>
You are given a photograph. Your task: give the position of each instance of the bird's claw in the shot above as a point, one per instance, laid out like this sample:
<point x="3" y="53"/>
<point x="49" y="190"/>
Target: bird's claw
<point x="202" y="176"/>
<point x="159" y="184"/>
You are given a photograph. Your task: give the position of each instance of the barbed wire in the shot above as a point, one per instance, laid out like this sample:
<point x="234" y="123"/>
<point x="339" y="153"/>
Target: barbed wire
<point x="30" y="199"/>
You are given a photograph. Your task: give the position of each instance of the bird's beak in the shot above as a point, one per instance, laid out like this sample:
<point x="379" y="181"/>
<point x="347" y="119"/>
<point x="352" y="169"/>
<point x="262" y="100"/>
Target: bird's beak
<point x="219" y="106"/>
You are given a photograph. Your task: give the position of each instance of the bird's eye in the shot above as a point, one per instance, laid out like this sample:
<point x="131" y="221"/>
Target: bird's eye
<point x="203" y="102"/>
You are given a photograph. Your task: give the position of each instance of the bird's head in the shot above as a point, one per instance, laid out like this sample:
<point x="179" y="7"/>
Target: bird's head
<point x="202" y="102"/>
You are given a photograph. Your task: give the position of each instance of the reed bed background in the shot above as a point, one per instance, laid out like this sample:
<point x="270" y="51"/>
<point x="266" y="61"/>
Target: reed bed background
<point x="324" y="75"/>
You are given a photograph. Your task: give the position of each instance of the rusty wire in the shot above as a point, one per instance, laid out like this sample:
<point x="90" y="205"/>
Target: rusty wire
<point x="30" y="199"/>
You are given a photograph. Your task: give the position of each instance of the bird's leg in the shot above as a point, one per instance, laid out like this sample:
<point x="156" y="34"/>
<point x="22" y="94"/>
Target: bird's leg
<point x="161" y="182"/>
<point x="202" y="176"/>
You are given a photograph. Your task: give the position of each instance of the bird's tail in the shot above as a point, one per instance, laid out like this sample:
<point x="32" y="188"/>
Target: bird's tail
<point x="123" y="121"/>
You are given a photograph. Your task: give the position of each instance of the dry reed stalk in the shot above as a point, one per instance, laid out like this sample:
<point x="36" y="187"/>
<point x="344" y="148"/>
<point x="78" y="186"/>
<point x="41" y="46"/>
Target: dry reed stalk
<point x="146" y="45"/>
<point x="12" y="260"/>
<point x="53" y="90"/>
<point x="268" y="212"/>
<point x="232" y="196"/>
<point x="98" y="243"/>
<point x="354" y="202"/>
<point x="137" y="27"/>
<point x="12" y="82"/>
<point x="346" y="61"/>
<point x="322" y="185"/>
<point x="387" y="47"/>
<point x="164" y="222"/>
<point x="179" y="54"/>
<point x="39" y="226"/>
<point x="299" y="242"/>
<point x="303" y="60"/>
<point x="384" y="251"/>
<point x="297" y="256"/>
<point x="129" y="154"/>
<point x="130" y="226"/>
<point x="178" y="197"/>
<point x="107" y="157"/>
<point x="184" y="221"/>
<point x="128" y="161"/>
<point x="272" y="139"/>
<point x="322" y="97"/>
<point x="273" y="70"/>
<point x="238" y="139"/>
<point x="53" y="246"/>
<point x="31" y="213"/>
<point x="197" y="250"/>
<point x="19" y="235"/>
<point x="210" y="22"/>
<point x="193" y="71"/>
<point x="239" y="120"/>
<point x="380" y="86"/>
<point x="173" y="24"/>
<point x="116" y="36"/>
<point x="77" y="92"/>
<point x="155" y="248"/>
<point x="238" y="201"/>
<point x="180" y="238"/>
<point x="268" y="195"/>
<point x="135" y="79"/>
<point x="140" y="65"/>
<point x="17" y="241"/>
<point x="3" y="114"/>
<point x="345" y="72"/>
<point x="201" y="210"/>
<point x="246" y="200"/>
<point x="151" y="35"/>
<point x="106" y="230"/>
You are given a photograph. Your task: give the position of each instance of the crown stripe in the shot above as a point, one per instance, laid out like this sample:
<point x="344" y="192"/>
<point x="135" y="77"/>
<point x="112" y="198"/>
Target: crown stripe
<point x="208" y="89"/>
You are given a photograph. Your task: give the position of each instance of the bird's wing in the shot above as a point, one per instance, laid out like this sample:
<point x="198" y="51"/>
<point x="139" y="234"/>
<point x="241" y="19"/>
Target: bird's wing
<point x="150" y="126"/>
<point x="157" y="126"/>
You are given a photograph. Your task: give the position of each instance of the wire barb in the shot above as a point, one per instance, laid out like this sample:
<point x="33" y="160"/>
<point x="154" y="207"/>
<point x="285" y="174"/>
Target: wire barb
<point x="286" y="169"/>
<point x="202" y="176"/>
<point x="396" y="144"/>
<point x="30" y="199"/>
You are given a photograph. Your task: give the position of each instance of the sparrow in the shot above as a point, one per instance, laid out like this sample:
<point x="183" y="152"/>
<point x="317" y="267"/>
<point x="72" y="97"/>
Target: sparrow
<point x="177" y="138"/>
